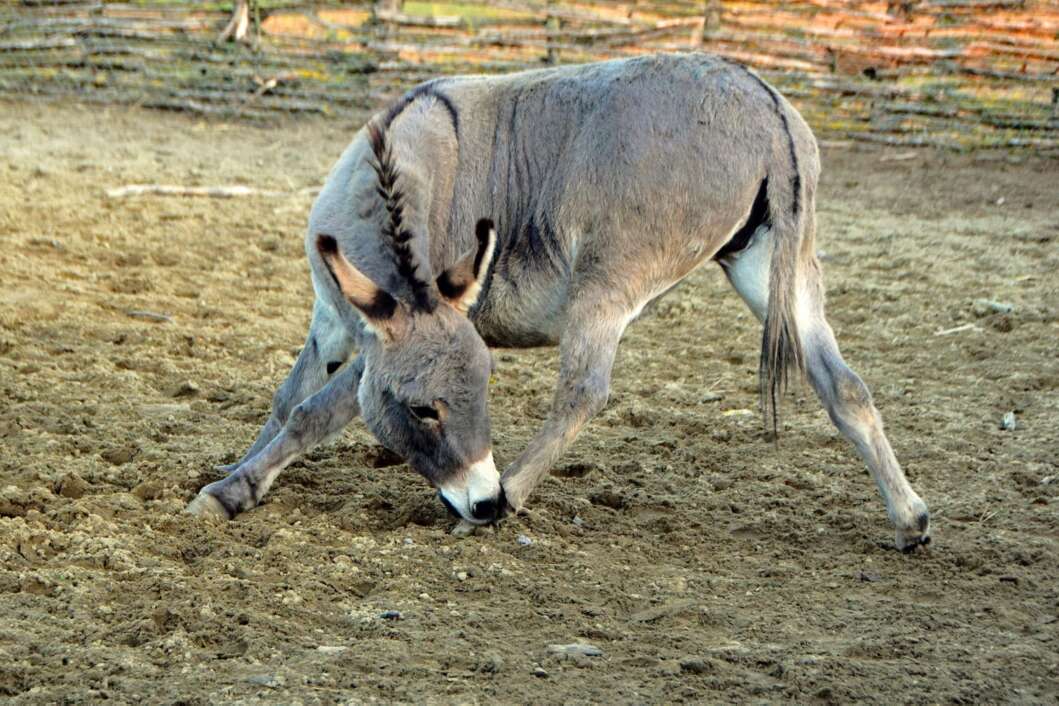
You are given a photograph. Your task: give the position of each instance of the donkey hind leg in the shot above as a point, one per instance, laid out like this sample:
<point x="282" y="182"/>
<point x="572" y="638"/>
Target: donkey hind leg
<point x="849" y="404"/>
<point x="316" y="419"/>
<point x="327" y="347"/>
<point x="844" y="395"/>
<point x="587" y="348"/>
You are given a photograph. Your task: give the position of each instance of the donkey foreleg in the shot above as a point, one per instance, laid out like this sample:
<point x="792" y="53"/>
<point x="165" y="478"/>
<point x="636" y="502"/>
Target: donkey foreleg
<point x="316" y="419"/>
<point x="327" y="347"/>
<point x="587" y="350"/>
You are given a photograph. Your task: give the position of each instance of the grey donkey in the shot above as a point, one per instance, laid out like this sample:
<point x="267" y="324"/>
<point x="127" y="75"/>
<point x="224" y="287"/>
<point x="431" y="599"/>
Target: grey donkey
<point x="549" y="207"/>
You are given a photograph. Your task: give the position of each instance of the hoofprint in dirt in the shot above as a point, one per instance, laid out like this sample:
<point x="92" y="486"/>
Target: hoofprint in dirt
<point x="704" y="562"/>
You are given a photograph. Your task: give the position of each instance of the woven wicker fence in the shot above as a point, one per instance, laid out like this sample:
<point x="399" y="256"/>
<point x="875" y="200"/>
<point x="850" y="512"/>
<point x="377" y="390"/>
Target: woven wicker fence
<point x="951" y="73"/>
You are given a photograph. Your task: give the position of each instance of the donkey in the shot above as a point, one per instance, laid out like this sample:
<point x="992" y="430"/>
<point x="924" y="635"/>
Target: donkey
<point x="549" y="207"/>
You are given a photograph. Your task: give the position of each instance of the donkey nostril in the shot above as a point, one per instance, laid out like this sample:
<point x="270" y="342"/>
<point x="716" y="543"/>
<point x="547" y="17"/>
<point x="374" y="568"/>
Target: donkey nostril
<point x="484" y="510"/>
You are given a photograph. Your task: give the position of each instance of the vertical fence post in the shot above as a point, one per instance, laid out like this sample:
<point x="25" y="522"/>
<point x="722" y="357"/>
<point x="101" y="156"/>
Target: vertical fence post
<point x="236" y="29"/>
<point x="901" y="9"/>
<point x="381" y="12"/>
<point x="551" y="26"/>
<point x="257" y="23"/>
<point x="711" y="19"/>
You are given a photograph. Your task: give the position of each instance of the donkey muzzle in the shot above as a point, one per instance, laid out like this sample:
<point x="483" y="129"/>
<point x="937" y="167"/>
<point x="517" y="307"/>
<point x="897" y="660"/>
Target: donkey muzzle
<point x="476" y="495"/>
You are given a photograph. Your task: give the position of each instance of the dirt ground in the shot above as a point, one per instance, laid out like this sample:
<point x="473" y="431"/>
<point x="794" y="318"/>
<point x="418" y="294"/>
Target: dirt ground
<point x="707" y="564"/>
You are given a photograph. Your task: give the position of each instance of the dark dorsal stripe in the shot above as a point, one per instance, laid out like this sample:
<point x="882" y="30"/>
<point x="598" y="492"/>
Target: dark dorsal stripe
<point x="426" y="89"/>
<point x="796" y="177"/>
<point x="759" y="216"/>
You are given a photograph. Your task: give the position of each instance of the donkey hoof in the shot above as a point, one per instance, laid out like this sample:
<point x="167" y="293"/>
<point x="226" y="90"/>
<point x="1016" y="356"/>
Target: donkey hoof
<point x="207" y="506"/>
<point x="909" y="539"/>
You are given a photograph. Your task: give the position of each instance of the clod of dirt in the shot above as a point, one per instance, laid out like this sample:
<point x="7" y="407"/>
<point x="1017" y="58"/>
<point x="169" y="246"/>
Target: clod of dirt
<point x="608" y="497"/>
<point x="390" y="615"/>
<point x="573" y="470"/>
<point x="638" y="416"/>
<point x="272" y="681"/>
<point x="71" y="486"/>
<point x="694" y="665"/>
<point x="165" y="619"/>
<point x="540" y="673"/>
<point x="464" y="529"/>
<point x="149" y="490"/>
<point x="665" y="610"/>
<point x="16" y="502"/>
<point x="491" y="663"/>
<point x="381" y="457"/>
<point x="120" y="455"/>
<point x="219" y="396"/>
<point x="523" y="540"/>
<point x="184" y="389"/>
<point x="1002" y="323"/>
<point x="37" y="585"/>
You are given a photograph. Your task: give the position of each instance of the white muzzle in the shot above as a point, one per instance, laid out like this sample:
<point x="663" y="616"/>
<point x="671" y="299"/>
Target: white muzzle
<point x="475" y="493"/>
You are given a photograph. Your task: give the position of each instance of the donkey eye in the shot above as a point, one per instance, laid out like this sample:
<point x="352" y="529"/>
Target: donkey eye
<point x="423" y="412"/>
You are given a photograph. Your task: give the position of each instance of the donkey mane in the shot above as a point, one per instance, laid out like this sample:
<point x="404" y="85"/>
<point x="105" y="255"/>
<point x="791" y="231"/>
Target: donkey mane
<point x="394" y="231"/>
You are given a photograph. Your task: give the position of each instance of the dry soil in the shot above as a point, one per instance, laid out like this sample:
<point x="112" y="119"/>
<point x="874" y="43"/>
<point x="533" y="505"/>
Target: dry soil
<point x="705" y="562"/>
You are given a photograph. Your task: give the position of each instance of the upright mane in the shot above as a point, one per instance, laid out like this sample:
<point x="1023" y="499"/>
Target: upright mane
<point x="394" y="231"/>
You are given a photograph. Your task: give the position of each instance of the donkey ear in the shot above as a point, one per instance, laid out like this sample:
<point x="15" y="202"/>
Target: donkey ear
<point x="461" y="284"/>
<point x="379" y="309"/>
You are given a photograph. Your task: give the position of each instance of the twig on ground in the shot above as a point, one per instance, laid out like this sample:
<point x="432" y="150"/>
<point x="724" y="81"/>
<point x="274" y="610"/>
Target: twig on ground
<point x="150" y="316"/>
<point x="217" y="192"/>
<point x="899" y="157"/>
<point x="958" y="329"/>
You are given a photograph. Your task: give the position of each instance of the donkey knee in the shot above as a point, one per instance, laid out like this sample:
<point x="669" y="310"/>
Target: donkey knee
<point x="300" y="422"/>
<point x="845" y="396"/>
<point x="593" y="394"/>
<point x="587" y="398"/>
<point x="851" y="391"/>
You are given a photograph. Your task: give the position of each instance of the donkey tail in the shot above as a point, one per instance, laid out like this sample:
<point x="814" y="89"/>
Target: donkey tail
<point x="790" y="212"/>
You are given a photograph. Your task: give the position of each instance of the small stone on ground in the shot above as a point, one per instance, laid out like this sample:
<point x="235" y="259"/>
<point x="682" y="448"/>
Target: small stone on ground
<point x="576" y="649"/>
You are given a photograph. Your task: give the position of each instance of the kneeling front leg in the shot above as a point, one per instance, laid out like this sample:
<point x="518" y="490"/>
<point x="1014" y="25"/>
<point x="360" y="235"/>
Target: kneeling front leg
<point x="587" y="356"/>
<point x="313" y="421"/>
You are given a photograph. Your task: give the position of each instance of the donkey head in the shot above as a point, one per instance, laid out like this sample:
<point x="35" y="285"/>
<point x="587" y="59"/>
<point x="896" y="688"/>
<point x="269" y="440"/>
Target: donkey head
<point x="423" y="393"/>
